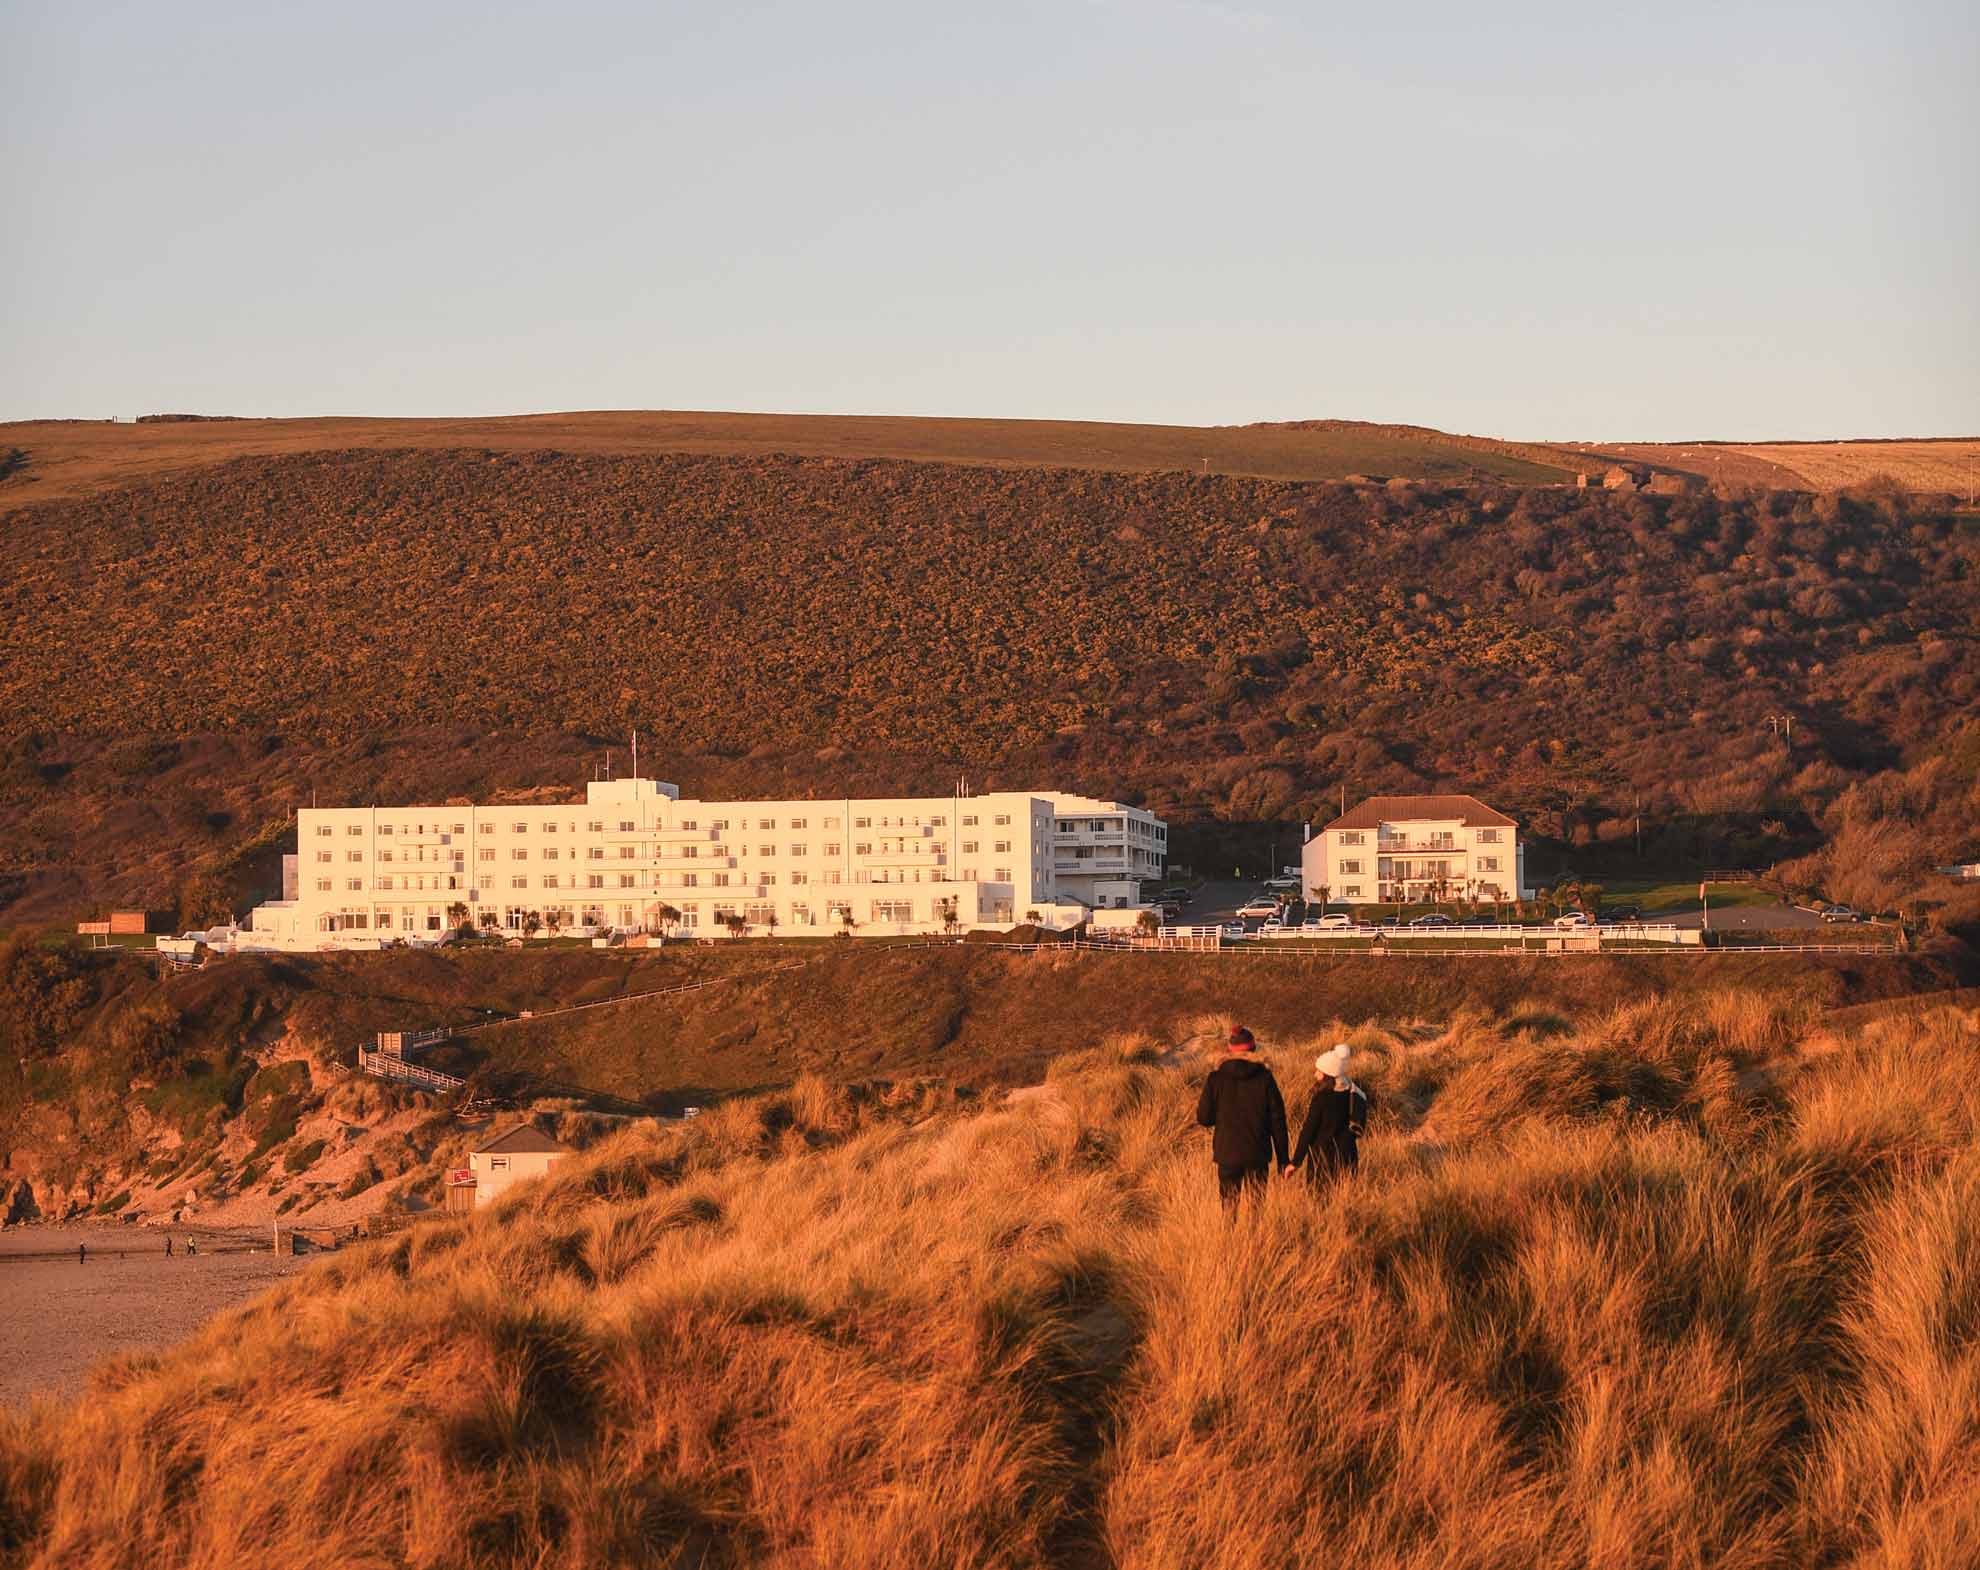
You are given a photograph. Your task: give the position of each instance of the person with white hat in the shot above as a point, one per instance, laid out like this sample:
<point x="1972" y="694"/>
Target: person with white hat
<point x="1335" y="1119"/>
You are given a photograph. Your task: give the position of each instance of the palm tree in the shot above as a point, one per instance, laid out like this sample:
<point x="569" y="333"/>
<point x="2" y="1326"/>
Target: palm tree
<point x="532" y="923"/>
<point x="1149" y="923"/>
<point x="667" y="916"/>
<point x="769" y="922"/>
<point x="846" y="922"/>
<point x="1320" y="892"/>
<point x="951" y="922"/>
<point x="1031" y="917"/>
<point x="457" y="913"/>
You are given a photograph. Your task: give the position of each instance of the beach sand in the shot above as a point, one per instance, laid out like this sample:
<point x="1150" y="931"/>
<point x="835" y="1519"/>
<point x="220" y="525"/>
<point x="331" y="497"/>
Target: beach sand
<point x="58" y="1317"/>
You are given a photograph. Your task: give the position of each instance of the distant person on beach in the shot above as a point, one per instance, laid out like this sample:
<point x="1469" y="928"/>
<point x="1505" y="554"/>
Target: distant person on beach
<point x="192" y="1245"/>
<point x="1242" y="1107"/>
<point x="1335" y="1119"/>
<point x="82" y="1253"/>
<point x="168" y="1245"/>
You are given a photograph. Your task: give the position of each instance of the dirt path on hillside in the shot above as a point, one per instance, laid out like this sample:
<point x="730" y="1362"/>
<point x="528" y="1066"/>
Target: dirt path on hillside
<point x="58" y="1317"/>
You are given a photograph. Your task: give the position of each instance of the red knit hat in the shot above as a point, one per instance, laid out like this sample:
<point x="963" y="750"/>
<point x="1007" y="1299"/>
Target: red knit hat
<point x="1242" y="1040"/>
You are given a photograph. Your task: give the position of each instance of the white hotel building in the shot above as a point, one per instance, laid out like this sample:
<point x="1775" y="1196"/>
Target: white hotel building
<point x="898" y="865"/>
<point x="1409" y="849"/>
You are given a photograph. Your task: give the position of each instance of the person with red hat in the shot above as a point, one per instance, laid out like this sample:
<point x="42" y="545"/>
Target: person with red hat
<point x="1246" y="1115"/>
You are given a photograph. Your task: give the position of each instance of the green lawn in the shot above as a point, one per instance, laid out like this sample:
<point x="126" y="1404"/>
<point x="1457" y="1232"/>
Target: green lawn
<point x="1660" y="894"/>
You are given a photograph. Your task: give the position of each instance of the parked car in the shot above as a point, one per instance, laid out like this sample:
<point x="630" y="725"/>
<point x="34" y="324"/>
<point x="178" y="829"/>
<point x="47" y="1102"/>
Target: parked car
<point x="1622" y="913"/>
<point x="1180" y="896"/>
<point x="1271" y="926"/>
<point x="1338" y="922"/>
<point x="1436" y="918"/>
<point x="1168" y="910"/>
<point x="1840" y="913"/>
<point x="1288" y="884"/>
<point x="1234" y="930"/>
<point x="1574" y="920"/>
<point x="1260" y="907"/>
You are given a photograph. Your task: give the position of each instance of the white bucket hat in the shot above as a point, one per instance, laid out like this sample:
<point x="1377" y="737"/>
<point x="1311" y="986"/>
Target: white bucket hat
<point x="1334" y="1061"/>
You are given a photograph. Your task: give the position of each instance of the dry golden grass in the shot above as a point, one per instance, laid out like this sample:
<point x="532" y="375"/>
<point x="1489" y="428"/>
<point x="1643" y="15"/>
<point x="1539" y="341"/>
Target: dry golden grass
<point x="1917" y="466"/>
<point x="1663" y="1293"/>
<point x="80" y="458"/>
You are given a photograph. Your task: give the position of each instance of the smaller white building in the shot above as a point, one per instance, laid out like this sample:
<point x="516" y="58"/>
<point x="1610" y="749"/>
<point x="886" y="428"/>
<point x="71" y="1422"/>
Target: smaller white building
<point x="1416" y="849"/>
<point x="515" y="1157"/>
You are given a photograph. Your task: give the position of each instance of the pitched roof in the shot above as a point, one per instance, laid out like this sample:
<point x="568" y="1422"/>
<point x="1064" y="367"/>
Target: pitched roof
<point x="523" y="1140"/>
<point x="1468" y="810"/>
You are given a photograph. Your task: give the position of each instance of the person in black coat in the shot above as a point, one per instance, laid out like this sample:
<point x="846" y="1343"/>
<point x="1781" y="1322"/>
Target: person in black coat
<point x="1241" y="1104"/>
<point x="1335" y="1119"/>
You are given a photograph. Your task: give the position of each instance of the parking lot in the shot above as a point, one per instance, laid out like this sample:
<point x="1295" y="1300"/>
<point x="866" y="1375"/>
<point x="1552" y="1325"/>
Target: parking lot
<point x="1218" y="901"/>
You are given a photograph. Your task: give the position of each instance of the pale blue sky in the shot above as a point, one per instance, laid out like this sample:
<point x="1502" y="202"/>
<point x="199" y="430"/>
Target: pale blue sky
<point x="1558" y="220"/>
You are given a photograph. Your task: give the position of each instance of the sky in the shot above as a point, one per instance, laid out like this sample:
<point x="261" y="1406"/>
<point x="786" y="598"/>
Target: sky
<point x="1559" y="221"/>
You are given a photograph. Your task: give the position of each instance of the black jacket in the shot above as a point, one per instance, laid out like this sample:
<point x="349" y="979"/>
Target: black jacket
<point x="1241" y="1101"/>
<point x="1334" y="1120"/>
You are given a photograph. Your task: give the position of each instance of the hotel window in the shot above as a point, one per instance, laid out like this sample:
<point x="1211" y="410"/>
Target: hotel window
<point x="691" y="852"/>
<point x="460" y="828"/>
<point x="938" y="823"/>
<point x="831" y="850"/>
<point x="862" y="850"/>
<point x="766" y="824"/>
<point x="1350" y="836"/>
<point x="969" y="820"/>
<point x="520" y="853"/>
<point x="385" y="883"/>
<point x="1488" y="863"/>
<point x="1002" y="820"/>
<point x="355" y="830"/>
<point x="628" y="880"/>
<point x="594" y="880"/>
<point x="766" y="850"/>
<point x="323" y="831"/>
<point x="354" y="884"/>
<point x="798" y="850"/>
<point x="969" y="847"/>
<point x="1002" y="847"/>
<point x="627" y="852"/>
<point x="800" y="877"/>
<point x="1352" y="891"/>
<point x="385" y="855"/>
<point x="323" y="885"/>
<point x="690" y="880"/>
<point x="721" y="880"/>
<point x="550" y="853"/>
<point x="519" y="882"/>
<point x="626" y="826"/>
<point x="549" y="880"/>
<point x="355" y="855"/>
<point x="716" y="825"/>
<point x="1001" y="875"/>
<point x="594" y="853"/>
<point x="831" y="823"/>
<point x="518" y="828"/>
<point x="485" y="881"/>
<point x="1351" y="868"/>
<point x="687" y="823"/>
<point x="385" y="828"/>
<point x="797" y="823"/>
<point x="862" y="823"/>
<point x="768" y="880"/>
<point x="324" y="855"/>
<point x="486" y="853"/>
<point x="595" y="826"/>
<point x="1488" y="836"/>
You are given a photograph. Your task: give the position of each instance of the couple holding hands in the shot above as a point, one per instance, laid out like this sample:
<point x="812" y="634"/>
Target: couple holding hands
<point x="1242" y="1107"/>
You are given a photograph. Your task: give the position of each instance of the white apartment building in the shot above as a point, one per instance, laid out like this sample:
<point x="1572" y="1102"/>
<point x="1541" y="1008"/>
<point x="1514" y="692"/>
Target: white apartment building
<point x="1102" y="851"/>
<point x="633" y="849"/>
<point x="1413" y="849"/>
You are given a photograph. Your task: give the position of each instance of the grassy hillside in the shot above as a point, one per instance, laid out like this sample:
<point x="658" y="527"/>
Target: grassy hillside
<point x="1693" y="1285"/>
<point x="214" y="650"/>
<point x="121" y="1091"/>
<point x="63" y="459"/>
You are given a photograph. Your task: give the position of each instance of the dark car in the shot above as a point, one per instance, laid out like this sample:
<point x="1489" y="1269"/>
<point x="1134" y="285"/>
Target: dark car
<point x="1434" y="919"/>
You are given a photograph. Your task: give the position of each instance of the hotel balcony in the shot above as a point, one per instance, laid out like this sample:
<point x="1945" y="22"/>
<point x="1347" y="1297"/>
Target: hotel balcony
<point x="920" y="856"/>
<point x="1433" y="845"/>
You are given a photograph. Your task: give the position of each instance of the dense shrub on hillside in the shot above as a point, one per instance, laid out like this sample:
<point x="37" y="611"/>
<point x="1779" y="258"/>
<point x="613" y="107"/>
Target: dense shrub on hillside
<point x="1219" y="647"/>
